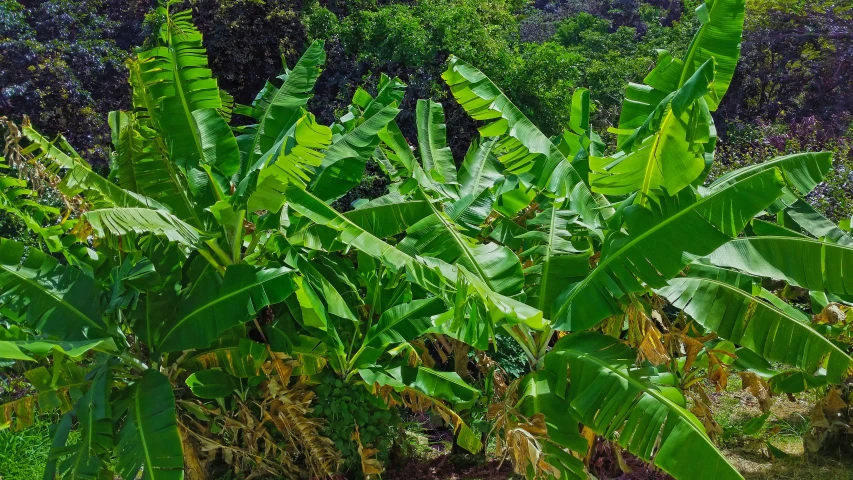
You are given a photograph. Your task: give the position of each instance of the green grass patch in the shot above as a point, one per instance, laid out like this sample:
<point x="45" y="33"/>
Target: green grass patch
<point x="24" y="453"/>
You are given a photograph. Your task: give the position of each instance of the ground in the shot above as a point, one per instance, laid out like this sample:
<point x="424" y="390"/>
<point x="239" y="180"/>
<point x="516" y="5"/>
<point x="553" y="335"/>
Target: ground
<point x="788" y="422"/>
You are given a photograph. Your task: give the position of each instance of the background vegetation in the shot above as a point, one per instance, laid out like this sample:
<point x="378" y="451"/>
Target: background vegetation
<point x="790" y="91"/>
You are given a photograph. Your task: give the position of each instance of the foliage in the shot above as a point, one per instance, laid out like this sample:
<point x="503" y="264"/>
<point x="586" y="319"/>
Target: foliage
<point x="61" y="63"/>
<point x="345" y="408"/>
<point x="151" y="268"/>
<point x="210" y="281"/>
<point x="794" y="64"/>
<point x="264" y="33"/>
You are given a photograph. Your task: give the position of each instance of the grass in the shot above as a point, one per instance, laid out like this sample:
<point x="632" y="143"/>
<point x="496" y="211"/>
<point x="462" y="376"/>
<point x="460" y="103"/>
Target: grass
<point x="785" y="427"/>
<point x="23" y="454"/>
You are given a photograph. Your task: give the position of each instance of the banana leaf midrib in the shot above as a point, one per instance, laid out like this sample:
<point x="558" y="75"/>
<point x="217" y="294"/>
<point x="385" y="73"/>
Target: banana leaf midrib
<point x="150" y="471"/>
<point x="631" y="243"/>
<point x="59" y="300"/>
<point x="646" y="187"/>
<point x="219" y="299"/>
<point x="769" y="306"/>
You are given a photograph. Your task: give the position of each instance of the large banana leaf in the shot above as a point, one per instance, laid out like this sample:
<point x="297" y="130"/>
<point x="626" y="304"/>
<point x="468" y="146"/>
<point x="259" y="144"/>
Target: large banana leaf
<point x="802" y="216"/>
<point x="149" y="439"/>
<point x="523" y="148"/>
<point x="143" y="166"/>
<point x="803" y="171"/>
<point x="435" y="383"/>
<point x="748" y="321"/>
<point x="538" y="395"/>
<point x="150" y="312"/>
<point x="14" y="349"/>
<point x="121" y="222"/>
<point x="403" y="322"/>
<point x="89" y="454"/>
<point x="383" y="217"/>
<point x="291" y="161"/>
<point x="187" y="97"/>
<point x="436" y="236"/>
<point x="343" y="164"/>
<point x="654" y="250"/>
<point x="277" y="108"/>
<point x="336" y="304"/>
<point x="557" y="262"/>
<point x="804" y="262"/>
<point x="215" y="305"/>
<point x="668" y="151"/>
<point x="348" y="232"/>
<point x="432" y="141"/>
<point x="638" y="408"/>
<point x="717" y="38"/>
<point x="480" y="170"/>
<point x="51" y="298"/>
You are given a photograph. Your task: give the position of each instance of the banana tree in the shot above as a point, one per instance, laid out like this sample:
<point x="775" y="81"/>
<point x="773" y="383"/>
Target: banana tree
<point x="536" y="235"/>
<point x="159" y="276"/>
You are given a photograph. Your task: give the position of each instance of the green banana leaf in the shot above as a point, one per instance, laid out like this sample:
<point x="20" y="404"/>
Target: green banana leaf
<point x="522" y="147"/>
<point x="667" y="152"/>
<point x="804" y="262"/>
<point x="215" y="305"/>
<point x="480" y="169"/>
<point x="802" y="171"/>
<point x="748" y="321"/>
<point x="634" y="407"/>
<point x="54" y="299"/>
<point x="212" y="384"/>
<point x="148" y="440"/>
<point x="291" y="161"/>
<point x="802" y="216"/>
<point x="113" y="223"/>
<point x="142" y="156"/>
<point x="719" y="38"/>
<point x="432" y="141"/>
<point x="186" y="97"/>
<point x="343" y="165"/>
<point x="277" y="108"/>
<point x="653" y="252"/>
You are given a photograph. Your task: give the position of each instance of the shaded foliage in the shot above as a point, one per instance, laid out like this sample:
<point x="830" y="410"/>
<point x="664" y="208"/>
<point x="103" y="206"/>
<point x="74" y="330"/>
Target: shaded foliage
<point x="61" y="63"/>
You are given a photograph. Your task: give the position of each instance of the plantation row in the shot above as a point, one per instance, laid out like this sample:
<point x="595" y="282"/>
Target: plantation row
<point x="206" y="299"/>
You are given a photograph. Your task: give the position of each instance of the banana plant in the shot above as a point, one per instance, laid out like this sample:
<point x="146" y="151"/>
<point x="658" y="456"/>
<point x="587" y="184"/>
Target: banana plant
<point x="519" y="240"/>
<point x="209" y="242"/>
<point x="155" y="278"/>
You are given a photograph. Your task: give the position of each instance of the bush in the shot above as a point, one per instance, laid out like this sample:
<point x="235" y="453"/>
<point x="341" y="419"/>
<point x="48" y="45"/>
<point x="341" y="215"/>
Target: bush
<point x="61" y="63"/>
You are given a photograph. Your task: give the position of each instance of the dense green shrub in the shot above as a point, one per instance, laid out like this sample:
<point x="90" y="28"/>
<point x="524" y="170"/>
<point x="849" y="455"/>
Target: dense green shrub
<point x="61" y="63"/>
<point x="248" y="39"/>
<point x="346" y="407"/>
